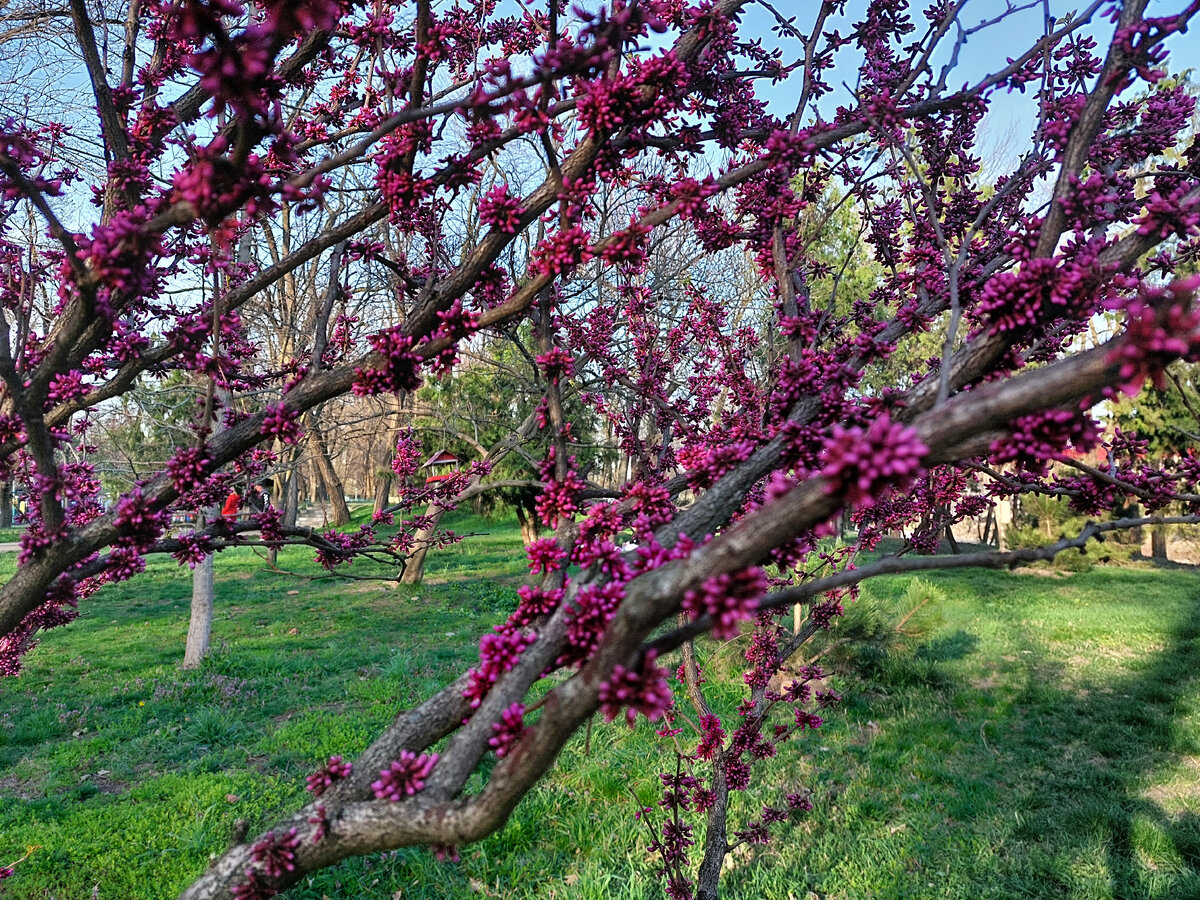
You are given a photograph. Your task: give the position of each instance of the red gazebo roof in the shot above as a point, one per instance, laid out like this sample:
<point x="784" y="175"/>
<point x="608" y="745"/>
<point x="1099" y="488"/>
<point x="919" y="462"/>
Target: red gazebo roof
<point x="441" y="458"/>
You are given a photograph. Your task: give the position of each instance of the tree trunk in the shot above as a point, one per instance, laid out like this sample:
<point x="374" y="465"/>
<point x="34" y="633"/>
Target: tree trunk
<point x="200" y="626"/>
<point x="383" y="490"/>
<point x="1134" y="535"/>
<point x="289" y="490"/>
<point x="291" y="500"/>
<point x="414" y="567"/>
<point x="203" y="594"/>
<point x="329" y="477"/>
<point x="987" y="528"/>
<point x="6" y="506"/>
<point x="953" y="541"/>
<point x="312" y="489"/>
<point x="1158" y="542"/>
<point x="528" y="523"/>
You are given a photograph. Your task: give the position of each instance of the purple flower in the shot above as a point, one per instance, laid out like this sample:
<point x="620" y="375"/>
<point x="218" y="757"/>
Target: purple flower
<point x="644" y="691"/>
<point x="508" y="730"/>
<point x="252" y="888"/>
<point x="335" y="770"/>
<point x="501" y="210"/>
<point x="498" y="653"/>
<point x="544" y="556"/>
<point x="188" y="467"/>
<point x="280" y="421"/>
<point x="729" y="598"/>
<point x="861" y="465"/>
<point x="398" y="369"/>
<point x="276" y="853"/>
<point x="405" y="777"/>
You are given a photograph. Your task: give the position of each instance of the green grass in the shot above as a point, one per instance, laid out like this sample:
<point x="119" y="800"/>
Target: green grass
<point x="1042" y="739"/>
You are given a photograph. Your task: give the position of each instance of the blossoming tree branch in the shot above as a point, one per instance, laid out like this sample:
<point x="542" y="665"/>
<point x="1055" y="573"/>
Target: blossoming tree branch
<point x="387" y="123"/>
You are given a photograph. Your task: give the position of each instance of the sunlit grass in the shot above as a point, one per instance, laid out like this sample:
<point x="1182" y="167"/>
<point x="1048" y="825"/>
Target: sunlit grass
<point x="1043" y="741"/>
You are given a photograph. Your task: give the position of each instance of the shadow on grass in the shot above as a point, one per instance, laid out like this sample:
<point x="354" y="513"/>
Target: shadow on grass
<point x="1092" y="753"/>
<point x="1141" y="828"/>
<point x="1049" y="759"/>
<point x="947" y="647"/>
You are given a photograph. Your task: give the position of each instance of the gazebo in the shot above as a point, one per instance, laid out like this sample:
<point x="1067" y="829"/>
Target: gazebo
<point x="441" y="465"/>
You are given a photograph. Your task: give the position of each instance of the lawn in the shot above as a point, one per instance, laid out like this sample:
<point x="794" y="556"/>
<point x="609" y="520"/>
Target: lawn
<point x="1042" y="739"/>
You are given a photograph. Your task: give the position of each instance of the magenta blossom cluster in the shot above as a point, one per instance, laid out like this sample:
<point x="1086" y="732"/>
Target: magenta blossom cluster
<point x="322" y="779"/>
<point x="498" y="653"/>
<point x="276" y="853"/>
<point x="536" y="602"/>
<point x="643" y="690"/>
<point x="398" y="369"/>
<point x="407" y="458"/>
<point x="405" y="776"/>
<point x="859" y="465"/>
<point x="545" y="556"/>
<point x="136" y="518"/>
<point x="188" y="468"/>
<point x="508" y="730"/>
<point x="729" y="598"/>
<point x="1160" y="326"/>
<point x="712" y="736"/>
<point x="252" y="888"/>
<point x="1037" y="440"/>
<point x="279" y="421"/>
<point x="559" y="499"/>
<point x="501" y="210"/>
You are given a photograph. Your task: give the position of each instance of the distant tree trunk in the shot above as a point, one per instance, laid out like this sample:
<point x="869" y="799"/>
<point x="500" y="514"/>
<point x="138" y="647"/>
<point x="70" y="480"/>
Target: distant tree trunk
<point x="203" y="592"/>
<point x="1006" y="515"/>
<point x="329" y="477"/>
<point x="291" y="499"/>
<point x="954" y="548"/>
<point x="414" y="567"/>
<point x="1134" y="535"/>
<point x="383" y="489"/>
<point x="6" y="509"/>
<point x="528" y="523"/>
<point x="308" y="483"/>
<point x="986" y="531"/>
<point x="199" y="634"/>
<point x="384" y="476"/>
<point x="1158" y="542"/>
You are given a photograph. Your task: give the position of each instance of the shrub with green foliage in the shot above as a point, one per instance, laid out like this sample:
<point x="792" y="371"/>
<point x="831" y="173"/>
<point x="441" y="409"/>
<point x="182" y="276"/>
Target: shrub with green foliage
<point x="881" y="637"/>
<point x="1043" y="519"/>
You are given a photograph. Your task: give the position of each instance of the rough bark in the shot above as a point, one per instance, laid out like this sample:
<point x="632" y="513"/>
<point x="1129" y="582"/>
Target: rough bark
<point x="328" y="475"/>
<point x="442" y="814"/>
<point x="1158" y="542"/>
<point x="414" y="568"/>
<point x="290" y="498"/>
<point x="528" y="523"/>
<point x="6" y="505"/>
<point x="383" y="490"/>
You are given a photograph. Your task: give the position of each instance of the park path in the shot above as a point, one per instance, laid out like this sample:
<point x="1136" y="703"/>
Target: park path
<point x="310" y="518"/>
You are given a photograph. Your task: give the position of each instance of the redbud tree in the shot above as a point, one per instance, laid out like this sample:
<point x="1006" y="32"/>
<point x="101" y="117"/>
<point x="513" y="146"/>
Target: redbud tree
<point x="747" y="433"/>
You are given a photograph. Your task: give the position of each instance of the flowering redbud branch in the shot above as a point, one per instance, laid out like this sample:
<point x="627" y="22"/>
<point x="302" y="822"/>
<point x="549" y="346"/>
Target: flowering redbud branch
<point x="904" y="565"/>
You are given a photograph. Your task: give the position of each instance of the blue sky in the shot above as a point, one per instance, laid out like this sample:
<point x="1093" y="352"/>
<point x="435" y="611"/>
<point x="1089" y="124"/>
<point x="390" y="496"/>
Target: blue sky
<point x="1012" y="115"/>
